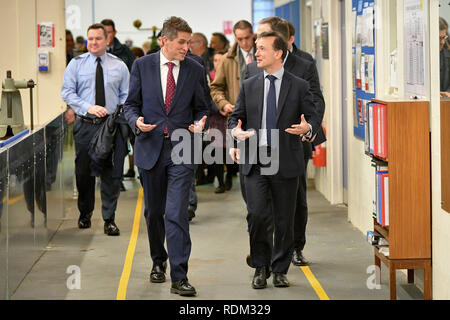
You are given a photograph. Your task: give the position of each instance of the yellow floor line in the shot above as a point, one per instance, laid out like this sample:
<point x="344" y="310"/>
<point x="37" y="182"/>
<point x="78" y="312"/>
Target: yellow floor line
<point x="123" y="285"/>
<point x="314" y="283"/>
<point x="13" y="200"/>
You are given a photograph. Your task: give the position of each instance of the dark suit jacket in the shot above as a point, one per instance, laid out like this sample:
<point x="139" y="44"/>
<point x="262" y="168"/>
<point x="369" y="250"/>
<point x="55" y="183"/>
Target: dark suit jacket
<point x="295" y="99"/>
<point x="145" y="99"/>
<point x="302" y="54"/>
<point x="305" y="70"/>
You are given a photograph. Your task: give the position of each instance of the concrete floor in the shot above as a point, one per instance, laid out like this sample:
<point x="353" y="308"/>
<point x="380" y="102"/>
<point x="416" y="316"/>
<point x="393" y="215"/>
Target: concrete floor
<point x="217" y="268"/>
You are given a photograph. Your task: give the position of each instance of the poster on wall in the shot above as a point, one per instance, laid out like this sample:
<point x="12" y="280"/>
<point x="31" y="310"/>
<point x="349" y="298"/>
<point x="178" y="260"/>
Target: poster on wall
<point x="46" y="35"/>
<point x="363" y="62"/>
<point x="415" y="48"/>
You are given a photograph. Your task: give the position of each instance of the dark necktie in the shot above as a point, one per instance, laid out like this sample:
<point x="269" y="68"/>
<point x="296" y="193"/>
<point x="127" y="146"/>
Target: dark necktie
<point x="170" y="90"/>
<point x="99" y="85"/>
<point x="271" y="112"/>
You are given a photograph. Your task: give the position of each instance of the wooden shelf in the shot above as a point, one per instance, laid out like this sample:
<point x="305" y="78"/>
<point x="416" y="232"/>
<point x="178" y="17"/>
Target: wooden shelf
<point x="409" y="167"/>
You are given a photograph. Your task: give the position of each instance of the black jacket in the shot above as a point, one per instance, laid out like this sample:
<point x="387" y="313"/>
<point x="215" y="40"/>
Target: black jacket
<point x="305" y="70"/>
<point x="123" y="52"/>
<point x="302" y="54"/>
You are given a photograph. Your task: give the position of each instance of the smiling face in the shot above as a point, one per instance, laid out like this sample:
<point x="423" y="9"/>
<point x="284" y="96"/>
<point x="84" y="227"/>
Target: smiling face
<point x="177" y="48"/>
<point x="266" y="56"/>
<point x="96" y="42"/>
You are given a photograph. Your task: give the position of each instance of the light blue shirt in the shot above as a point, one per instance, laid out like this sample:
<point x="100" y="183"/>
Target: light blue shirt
<point x="78" y="89"/>
<point x="279" y="78"/>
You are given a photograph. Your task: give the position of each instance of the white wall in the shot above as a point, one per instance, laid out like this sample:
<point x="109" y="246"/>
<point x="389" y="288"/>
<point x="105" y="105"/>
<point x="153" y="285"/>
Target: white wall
<point x="205" y="16"/>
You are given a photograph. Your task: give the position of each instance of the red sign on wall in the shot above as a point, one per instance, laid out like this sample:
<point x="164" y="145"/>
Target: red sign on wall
<point x="228" y="27"/>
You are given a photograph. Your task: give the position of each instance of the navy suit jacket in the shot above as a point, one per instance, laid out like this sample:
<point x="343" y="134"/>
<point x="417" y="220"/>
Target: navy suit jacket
<point x="295" y="99"/>
<point x="145" y="99"/>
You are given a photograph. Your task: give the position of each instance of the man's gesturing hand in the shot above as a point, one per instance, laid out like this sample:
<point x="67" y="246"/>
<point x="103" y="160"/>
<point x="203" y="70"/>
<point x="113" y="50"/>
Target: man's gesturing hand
<point x="198" y="126"/>
<point x="240" y="134"/>
<point x="144" y="127"/>
<point x="299" y="129"/>
<point x="235" y="154"/>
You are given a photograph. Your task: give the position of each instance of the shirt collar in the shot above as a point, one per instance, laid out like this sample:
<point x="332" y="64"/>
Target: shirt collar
<point x="245" y="53"/>
<point x="285" y="58"/>
<point x="277" y="74"/>
<point x="102" y="57"/>
<point x="164" y="60"/>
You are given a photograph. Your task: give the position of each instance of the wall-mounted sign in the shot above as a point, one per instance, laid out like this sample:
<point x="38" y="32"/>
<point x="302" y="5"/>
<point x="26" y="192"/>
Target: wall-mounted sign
<point x="46" y="35"/>
<point x="228" y="27"/>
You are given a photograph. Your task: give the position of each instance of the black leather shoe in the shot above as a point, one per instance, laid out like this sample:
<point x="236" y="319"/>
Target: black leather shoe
<point x="183" y="288"/>
<point x="111" y="229"/>
<point x="122" y="187"/>
<point x="260" y="278"/>
<point x="280" y="280"/>
<point x="298" y="259"/>
<point x="191" y="214"/>
<point x="84" y="222"/>
<point x="158" y="273"/>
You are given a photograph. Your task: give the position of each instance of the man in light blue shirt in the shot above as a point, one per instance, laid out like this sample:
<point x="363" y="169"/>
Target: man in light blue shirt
<point x="94" y="84"/>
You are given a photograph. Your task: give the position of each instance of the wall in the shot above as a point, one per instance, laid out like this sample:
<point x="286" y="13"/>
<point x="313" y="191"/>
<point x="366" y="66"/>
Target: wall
<point x="20" y="18"/>
<point x="328" y="180"/>
<point x="440" y="218"/>
<point x="206" y="17"/>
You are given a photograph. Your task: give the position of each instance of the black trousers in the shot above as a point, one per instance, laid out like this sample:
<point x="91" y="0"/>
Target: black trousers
<point x="271" y="248"/>
<point x="301" y="212"/>
<point x="109" y="187"/>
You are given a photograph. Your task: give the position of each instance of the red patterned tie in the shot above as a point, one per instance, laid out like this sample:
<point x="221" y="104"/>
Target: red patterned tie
<point x="170" y="90"/>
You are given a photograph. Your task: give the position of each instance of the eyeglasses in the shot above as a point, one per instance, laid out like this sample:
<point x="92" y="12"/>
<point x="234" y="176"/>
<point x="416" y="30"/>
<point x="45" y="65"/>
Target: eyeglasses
<point x="443" y="38"/>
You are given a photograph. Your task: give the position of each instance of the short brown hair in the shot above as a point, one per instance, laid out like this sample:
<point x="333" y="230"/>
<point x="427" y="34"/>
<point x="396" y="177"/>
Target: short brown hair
<point x="138" y="52"/>
<point x="278" y="25"/>
<point x="98" y="26"/>
<point x="242" y="25"/>
<point x="291" y="29"/>
<point x="109" y="22"/>
<point x="173" y="25"/>
<point x="279" y="43"/>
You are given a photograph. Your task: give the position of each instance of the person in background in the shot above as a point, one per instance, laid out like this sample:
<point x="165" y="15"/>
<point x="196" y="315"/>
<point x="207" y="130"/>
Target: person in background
<point x="146" y="46"/>
<point x="199" y="47"/>
<point x="229" y="76"/>
<point x="218" y="121"/>
<point x="93" y="95"/>
<point x="70" y="45"/>
<point x="115" y="47"/>
<point x="219" y="42"/>
<point x="444" y="58"/>
<point x="138" y="52"/>
<point x="80" y="46"/>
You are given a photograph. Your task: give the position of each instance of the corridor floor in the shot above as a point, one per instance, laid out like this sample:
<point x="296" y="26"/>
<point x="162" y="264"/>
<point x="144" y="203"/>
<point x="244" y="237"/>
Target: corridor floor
<point x="87" y="264"/>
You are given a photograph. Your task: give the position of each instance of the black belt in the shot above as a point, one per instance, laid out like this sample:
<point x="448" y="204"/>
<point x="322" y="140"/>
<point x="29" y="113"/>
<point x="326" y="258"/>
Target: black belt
<point x="90" y="120"/>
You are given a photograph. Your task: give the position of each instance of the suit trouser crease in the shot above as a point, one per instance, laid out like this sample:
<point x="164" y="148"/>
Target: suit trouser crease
<point x="283" y="192"/>
<point x="166" y="191"/>
<point x="109" y="186"/>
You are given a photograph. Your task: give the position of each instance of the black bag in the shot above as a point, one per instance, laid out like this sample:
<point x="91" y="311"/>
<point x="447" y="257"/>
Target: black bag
<point x="102" y="143"/>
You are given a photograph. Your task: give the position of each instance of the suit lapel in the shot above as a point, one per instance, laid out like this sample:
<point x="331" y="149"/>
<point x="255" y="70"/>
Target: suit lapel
<point x="259" y="91"/>
<point x="182" y="76"/>
<point x="156" y="70"/>
<point x="284" y="90"/>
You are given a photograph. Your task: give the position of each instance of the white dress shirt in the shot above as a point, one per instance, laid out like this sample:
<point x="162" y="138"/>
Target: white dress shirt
<point x="165" y="70"/>
<point x="245" y="54"/>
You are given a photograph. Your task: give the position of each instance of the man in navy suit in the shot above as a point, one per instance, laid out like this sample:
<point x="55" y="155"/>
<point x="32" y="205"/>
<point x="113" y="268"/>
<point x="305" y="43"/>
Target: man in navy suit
<point x="280" y="108"/>
<point x="166" y="94"/>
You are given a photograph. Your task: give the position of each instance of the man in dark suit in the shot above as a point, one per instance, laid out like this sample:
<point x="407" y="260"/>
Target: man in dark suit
<point x="293" y="48"/>
<point x="276" y="105"/>
<point x="305" y="69"/>
<point x="167" y="93"/>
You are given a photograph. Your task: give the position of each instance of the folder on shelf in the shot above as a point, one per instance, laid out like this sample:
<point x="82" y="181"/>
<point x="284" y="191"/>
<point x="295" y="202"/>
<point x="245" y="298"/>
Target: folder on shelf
<point x="380" y="196"/>
<point x="383" y="130"/>
<point x="370" y="123"/>
<point x="386" y="200"/>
